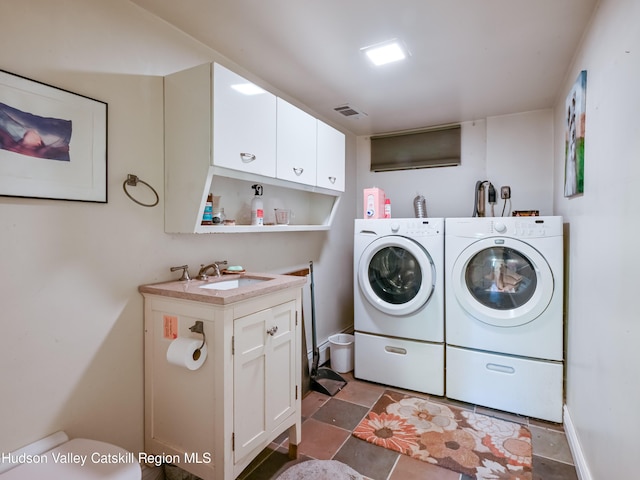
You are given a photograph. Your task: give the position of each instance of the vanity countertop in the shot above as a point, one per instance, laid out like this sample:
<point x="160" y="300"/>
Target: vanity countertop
<point x="192" y="289"/>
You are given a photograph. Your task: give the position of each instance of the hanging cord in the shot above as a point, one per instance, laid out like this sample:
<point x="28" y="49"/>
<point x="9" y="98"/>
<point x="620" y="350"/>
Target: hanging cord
<point x="475" y="195"/>
<point x="133" y="181"/>
<point x="504" y="205"/>
<point x="492" y="198"/>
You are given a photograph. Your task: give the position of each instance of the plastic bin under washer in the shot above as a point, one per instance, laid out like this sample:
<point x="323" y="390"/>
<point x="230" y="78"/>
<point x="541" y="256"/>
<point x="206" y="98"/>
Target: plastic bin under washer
<point x="408" y="364"/>
<point x="514" y="384"/>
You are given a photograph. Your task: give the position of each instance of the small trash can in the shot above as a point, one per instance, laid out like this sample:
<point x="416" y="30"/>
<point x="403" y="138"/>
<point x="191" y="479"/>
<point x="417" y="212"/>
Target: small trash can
<point x="341" y="351"/>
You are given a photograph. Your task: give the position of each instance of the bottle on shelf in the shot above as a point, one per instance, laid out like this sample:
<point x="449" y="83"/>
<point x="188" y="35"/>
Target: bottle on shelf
<point x="207" y="216"/>
<point x="387" y="208"/>
<point x="257" y="206"/>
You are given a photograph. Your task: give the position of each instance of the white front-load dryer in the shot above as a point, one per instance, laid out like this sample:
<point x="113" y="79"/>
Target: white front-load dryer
<point x="504" y="313"/>
<point x="399" y="302"/>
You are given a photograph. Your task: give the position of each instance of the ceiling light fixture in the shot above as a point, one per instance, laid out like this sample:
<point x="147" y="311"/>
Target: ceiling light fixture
<point x="386" y="52"/>
<point x="247" y="88"/>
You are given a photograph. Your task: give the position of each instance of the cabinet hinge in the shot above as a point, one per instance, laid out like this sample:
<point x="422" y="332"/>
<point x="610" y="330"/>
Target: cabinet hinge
<point x="296" y="392"/>
<point x="233" y="442"/>
<point x="233" y="345"/>
<point x="296" y="318"/>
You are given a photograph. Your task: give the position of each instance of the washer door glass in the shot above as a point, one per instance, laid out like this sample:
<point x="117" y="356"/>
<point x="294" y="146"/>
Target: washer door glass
<point x="501" y="278"/>
<point x="396" y="275"/>
<point x="502" y="281"/>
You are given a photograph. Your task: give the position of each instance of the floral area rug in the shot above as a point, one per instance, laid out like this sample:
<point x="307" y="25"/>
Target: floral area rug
<point x="476" y="445"/>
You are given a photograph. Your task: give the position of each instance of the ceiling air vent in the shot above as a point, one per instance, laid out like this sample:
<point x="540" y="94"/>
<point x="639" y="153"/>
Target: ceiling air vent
<point x="350" y="111"/>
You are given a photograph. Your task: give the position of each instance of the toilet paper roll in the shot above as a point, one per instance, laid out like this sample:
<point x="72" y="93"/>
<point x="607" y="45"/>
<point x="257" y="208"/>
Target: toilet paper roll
<point x="186" y="352"/>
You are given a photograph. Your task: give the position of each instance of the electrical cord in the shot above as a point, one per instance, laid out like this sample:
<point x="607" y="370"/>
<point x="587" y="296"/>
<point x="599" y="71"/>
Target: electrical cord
<point x="492" y="199"/>
<point x="492" y="195"/>
<point x="504" y="205"/>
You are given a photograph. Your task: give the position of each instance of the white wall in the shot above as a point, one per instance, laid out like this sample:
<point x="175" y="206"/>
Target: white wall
<point x="71" y="347"/>
<point x="520" y="154"/>
<point x="514" y="150"/>
<point x="603" y="357"/>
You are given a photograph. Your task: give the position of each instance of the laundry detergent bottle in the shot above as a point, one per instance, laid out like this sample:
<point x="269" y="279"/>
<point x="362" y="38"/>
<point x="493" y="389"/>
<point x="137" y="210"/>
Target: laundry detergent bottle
<point x="257" y="206"/>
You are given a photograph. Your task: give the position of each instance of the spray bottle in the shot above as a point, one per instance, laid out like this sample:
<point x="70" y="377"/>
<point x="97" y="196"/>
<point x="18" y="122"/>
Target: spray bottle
<point x="257" y="206"/>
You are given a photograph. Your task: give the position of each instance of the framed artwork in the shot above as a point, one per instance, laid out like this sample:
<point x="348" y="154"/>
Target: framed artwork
<point x="575" y="109"/>
<point x="53" y="143"/>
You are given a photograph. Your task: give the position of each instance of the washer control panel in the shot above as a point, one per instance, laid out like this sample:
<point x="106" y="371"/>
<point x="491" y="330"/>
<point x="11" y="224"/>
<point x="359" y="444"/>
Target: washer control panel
<point x="420" y="227"/>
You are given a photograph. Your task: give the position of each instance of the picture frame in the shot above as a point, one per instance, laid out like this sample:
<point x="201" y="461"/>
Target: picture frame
<point x="53" y="142"/>
<point x="575" y="108"/>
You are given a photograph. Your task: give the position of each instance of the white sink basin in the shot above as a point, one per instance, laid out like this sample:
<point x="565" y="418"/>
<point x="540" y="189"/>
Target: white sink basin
<point x="231" y="284"/>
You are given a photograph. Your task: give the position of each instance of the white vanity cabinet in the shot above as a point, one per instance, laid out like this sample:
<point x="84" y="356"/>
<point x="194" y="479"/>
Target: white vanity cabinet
<point x="330" y="157"/>
<point x="221" y="141"/>
<point x="264" y="375"/>
<point x="244" y="124"/>
<point x="296" y="144"/>
<point x="216" y="419"/>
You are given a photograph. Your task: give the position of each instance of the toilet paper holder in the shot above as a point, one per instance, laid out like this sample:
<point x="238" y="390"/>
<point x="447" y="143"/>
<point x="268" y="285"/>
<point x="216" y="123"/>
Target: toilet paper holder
<point x="198" y="327"/>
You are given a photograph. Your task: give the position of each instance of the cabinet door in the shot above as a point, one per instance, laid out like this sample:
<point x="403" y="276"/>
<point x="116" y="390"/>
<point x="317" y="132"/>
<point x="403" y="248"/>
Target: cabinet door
<point x="296" y="144"/>
<point x="264" y="375"/>
<point x="330" y="158"/>
<point x="281" y="365"/>
<point x="244" y="124"/>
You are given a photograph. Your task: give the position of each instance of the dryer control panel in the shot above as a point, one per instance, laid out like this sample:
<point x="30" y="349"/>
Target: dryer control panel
<point x="515" y="227"/>
<point x="532" y="227"/>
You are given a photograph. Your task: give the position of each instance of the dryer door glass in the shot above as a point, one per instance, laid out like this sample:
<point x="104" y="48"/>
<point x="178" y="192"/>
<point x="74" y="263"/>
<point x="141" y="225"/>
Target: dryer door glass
<point x="395" y="275"/>
<point x="501" y="278"/>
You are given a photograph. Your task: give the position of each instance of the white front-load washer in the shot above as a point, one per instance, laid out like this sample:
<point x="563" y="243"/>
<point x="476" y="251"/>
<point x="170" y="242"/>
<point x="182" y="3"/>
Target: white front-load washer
<point x="504" y="313"/>
<point x="399" y="302"/>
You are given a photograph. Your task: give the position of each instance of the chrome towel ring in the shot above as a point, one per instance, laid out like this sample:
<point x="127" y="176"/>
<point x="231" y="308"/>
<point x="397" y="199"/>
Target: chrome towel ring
<point x="133" y="180"/>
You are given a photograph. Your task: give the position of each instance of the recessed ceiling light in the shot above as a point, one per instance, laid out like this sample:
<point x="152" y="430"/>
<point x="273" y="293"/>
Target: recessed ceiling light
<point x="386" y="52"/>
<point x="247" y="88"/>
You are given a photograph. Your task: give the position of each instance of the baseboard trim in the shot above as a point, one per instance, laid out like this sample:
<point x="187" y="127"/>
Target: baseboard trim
<point x="582" y="469"/>
<point x="323" y="351"/>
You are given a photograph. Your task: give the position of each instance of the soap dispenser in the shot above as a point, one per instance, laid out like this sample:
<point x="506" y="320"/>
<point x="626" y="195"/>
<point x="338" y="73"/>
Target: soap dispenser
<point x="257" y="206"/>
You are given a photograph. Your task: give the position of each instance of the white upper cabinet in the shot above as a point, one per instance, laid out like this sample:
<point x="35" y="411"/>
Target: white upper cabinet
<point x="244" y="124"/>
<point x="221" y="141"/>
<point x="296" y="144"/>
<point x="330" y="171"/>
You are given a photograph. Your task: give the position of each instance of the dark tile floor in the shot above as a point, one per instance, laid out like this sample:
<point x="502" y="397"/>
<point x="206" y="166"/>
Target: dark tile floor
<point x="327" y="423"/>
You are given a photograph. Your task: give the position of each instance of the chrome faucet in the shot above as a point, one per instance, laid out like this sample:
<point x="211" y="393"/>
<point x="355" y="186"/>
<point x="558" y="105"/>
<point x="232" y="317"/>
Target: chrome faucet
<point x="202" y="274"/>
<point x="185" y="272"/>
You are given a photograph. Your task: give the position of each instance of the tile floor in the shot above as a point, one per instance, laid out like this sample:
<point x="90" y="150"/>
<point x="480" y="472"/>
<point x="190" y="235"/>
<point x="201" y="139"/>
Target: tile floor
<point x="327" y="423"/>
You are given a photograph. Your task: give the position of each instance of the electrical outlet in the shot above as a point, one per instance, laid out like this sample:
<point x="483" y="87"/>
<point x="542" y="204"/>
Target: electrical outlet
<point x="505" y="192"/>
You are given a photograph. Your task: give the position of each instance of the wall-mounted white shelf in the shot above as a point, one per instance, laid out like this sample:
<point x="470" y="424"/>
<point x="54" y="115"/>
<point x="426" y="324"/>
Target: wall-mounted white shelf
<point x="312" y="208"/>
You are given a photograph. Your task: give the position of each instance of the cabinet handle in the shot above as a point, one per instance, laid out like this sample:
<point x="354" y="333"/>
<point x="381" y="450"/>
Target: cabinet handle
<point x="332" y="179"/>
<point x="500" y="368"/>
<point x="247" y="157"/>
<point x="398" y="350"/>
<point x="272" y="331"/>
<point x="298" y="171"/>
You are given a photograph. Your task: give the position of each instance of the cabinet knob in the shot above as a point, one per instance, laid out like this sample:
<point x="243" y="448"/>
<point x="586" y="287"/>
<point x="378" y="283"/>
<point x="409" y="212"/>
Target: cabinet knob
<point x="272" y="331"/>
<point x="247" y="157"/>
<point x="298" y="171"/>
<point x="332" y="179"/>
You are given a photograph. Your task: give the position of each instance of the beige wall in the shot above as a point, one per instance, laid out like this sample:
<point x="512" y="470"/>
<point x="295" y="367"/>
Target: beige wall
<point x="514" y="150"/>
<point x="603" y="358"/>
<point x="71" y="344"/>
